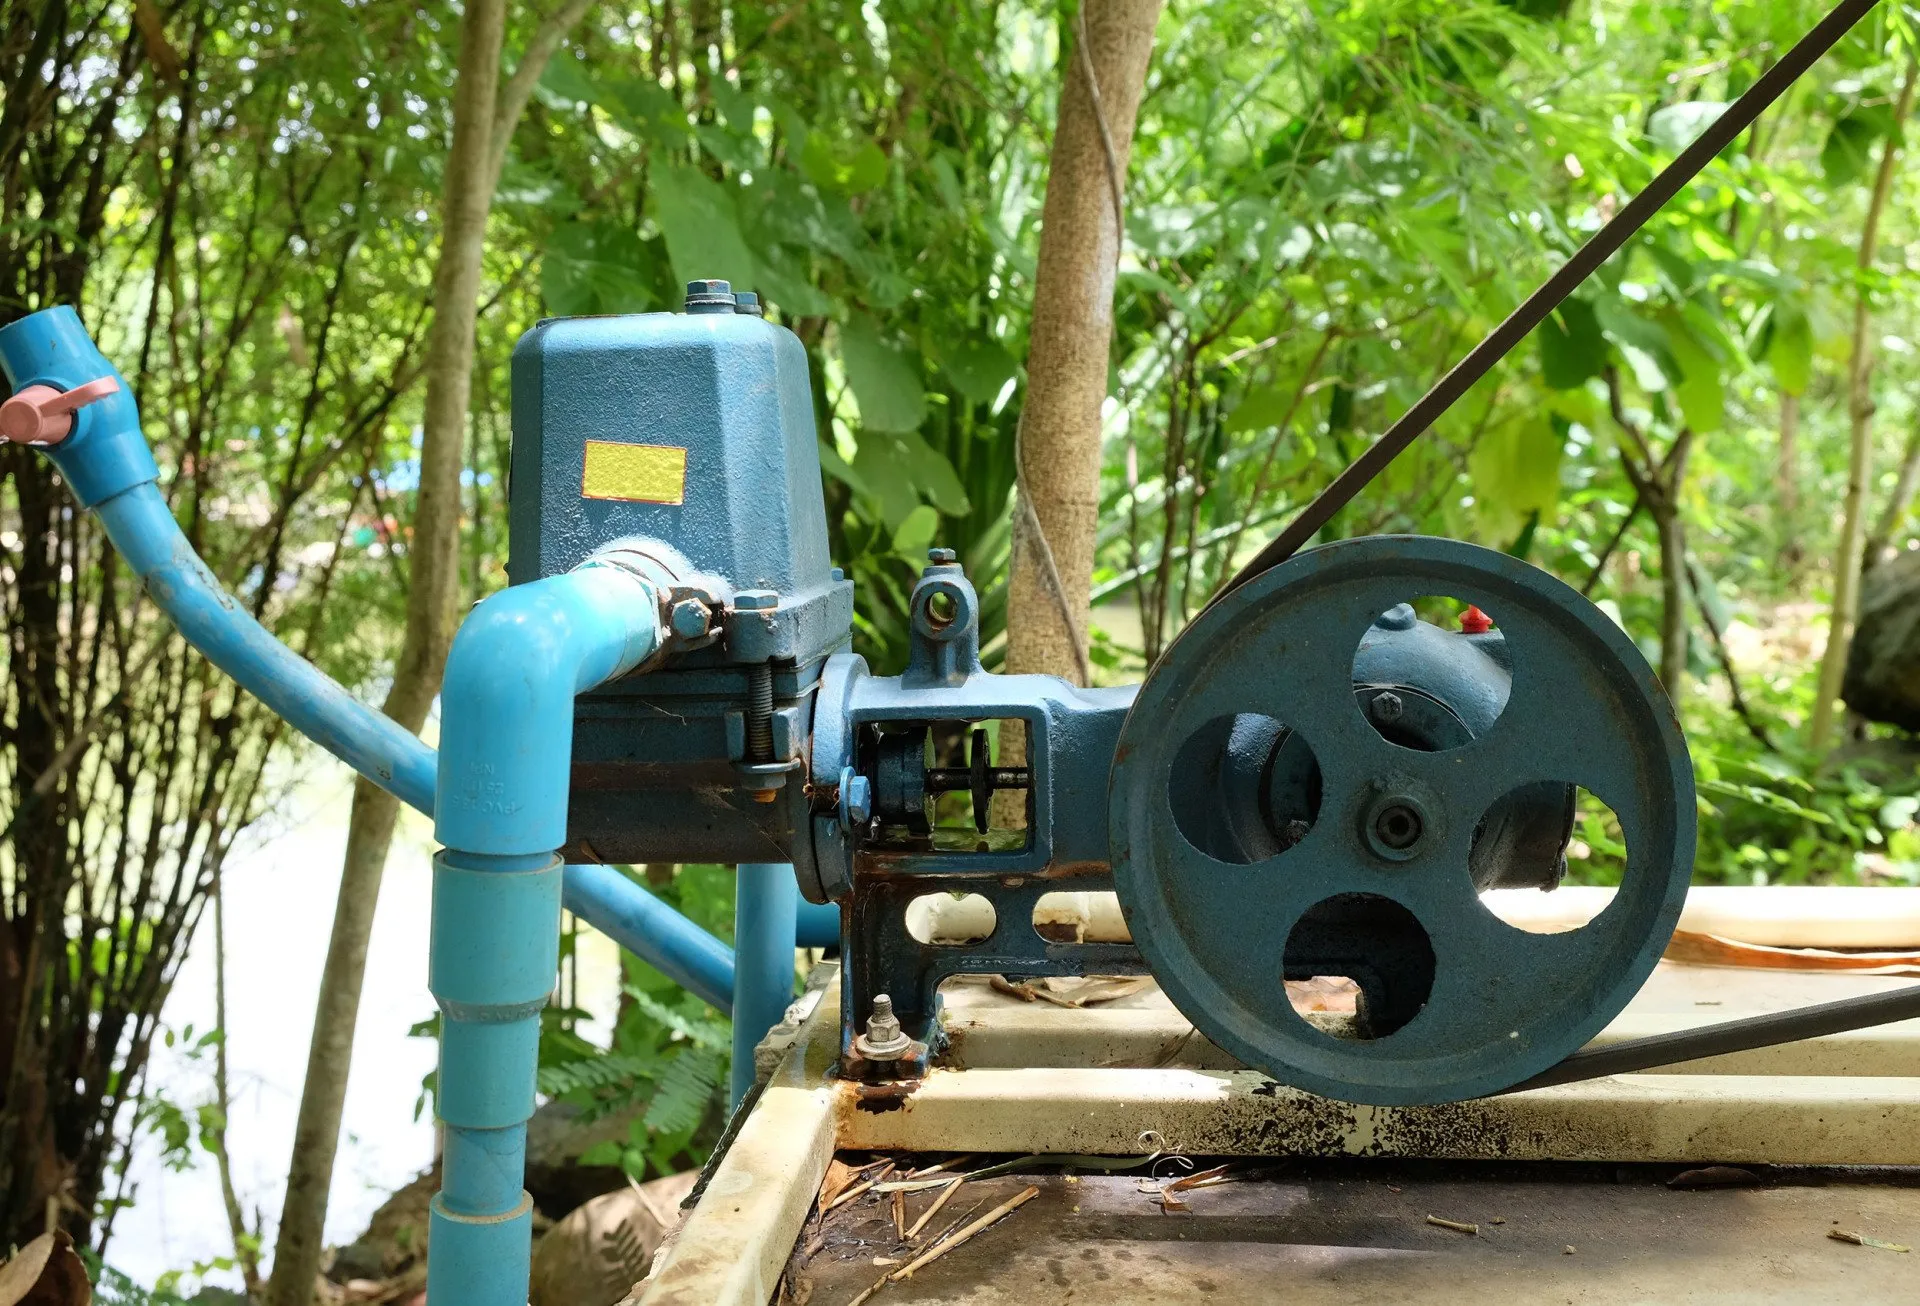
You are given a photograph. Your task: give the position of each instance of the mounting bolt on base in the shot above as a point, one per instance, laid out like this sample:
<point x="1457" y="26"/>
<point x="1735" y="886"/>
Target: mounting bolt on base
<point x="884" y="1039"/>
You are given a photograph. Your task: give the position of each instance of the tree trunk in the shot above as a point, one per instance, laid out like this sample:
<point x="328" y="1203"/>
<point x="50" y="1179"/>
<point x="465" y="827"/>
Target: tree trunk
<point x="1786" y="481"/>
<point x="1673" y="601"/>
<point x="1880" y="543"/>
<point x="434" y="574"/>
<point x="1069" y="341"/>
<point x="1853" y="530"/>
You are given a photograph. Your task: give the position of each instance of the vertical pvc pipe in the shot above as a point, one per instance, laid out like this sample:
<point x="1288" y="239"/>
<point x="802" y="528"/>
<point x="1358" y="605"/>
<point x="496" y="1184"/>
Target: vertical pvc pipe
<point x="766" y="905"/>
<point x="501" y="813"/>
<point x="819" y="925"/>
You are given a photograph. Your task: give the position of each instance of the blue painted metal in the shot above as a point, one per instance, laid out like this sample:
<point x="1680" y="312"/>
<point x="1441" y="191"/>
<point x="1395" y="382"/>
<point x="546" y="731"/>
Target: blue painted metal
<point x="746" y="542"/>
<point x="875" y="868"/>
<point x="765" y="902"/>
<point x="649" y="928"/>
<point x="507" y="737"/>
<point x="1494" y="1004"/>
<point x="732" y="392"/>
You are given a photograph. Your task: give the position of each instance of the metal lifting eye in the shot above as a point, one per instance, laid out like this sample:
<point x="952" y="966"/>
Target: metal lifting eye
<point x="942" y="608"/>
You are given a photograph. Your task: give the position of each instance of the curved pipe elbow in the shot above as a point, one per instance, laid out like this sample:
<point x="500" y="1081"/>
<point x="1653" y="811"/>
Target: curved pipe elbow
<point x="517" y="664"/>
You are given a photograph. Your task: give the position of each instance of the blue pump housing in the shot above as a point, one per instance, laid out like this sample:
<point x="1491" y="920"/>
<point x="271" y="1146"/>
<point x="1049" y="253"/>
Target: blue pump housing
<point x="726" y="397"/>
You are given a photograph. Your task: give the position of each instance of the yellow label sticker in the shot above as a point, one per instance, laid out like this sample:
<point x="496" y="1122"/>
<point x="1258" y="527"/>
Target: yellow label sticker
<point x="635" y="473"/>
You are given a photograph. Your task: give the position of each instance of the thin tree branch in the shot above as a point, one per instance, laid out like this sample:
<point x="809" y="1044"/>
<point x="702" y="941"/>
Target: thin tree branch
<point x="526" y="74"/>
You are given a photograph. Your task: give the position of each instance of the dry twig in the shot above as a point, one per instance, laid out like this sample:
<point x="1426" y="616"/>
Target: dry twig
<point x="992" y="1217"/>
<point x="945" y="1194"/>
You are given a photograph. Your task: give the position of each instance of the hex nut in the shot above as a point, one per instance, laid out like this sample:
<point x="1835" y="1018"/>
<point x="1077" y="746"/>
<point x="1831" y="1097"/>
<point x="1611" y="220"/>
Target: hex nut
<point x="856" y="797"/>
<point x="689" y="619"/>
<point x="884" y="1040"/>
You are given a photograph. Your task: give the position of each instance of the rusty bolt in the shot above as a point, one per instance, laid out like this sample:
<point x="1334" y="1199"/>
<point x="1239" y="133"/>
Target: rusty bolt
<point x="689" y="619"/>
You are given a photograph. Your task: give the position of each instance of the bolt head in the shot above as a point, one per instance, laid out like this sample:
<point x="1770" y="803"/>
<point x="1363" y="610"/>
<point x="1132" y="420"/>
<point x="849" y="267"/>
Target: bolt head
<point x="942" y="557"/>
<point x="689" y="619"/>
<point x="756" y="601"/>
<point x="1387" y="707"/>
<point x="856" y="794"/>
<point x="709" y="297"/>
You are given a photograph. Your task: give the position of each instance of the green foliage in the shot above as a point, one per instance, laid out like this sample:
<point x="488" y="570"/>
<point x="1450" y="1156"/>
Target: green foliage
<point x="668" y="1058"/>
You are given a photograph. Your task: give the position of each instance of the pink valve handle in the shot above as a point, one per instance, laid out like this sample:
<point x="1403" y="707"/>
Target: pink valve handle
<point x="40" y="414"/>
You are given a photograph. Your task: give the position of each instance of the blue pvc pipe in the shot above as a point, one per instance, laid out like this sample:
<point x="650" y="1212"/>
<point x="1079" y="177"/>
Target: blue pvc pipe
<point x="516" y="666"/>
<point x="142" y="528"/>
<point x="817" y="925"/>
<point x="642" y="924"/>
<point x="765" y="900"/>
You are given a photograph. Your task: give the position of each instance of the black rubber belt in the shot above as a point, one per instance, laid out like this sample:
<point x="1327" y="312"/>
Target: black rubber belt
<point x="1732" y="1036"/>
<point x="1713" y="1040"/>
<point x="1585" y="262"/>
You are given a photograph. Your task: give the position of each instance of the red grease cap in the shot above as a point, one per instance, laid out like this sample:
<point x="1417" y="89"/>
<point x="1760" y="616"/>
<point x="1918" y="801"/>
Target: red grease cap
<point x="1475" y="622"/>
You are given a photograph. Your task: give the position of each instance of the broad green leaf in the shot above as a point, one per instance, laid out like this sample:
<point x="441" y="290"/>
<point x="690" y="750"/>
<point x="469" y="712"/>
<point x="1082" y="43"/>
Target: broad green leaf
<point x="783" y="283"/>
<point x="885" y="379"/>
<point x="851" y="169"/>
<point x="934" y="475"/>
<point x="835" y="466"/>
<point x="1572" y="348"/>
<point x="979" y="367"/>
<point x="605" y="1152"/>
<point x="1516" y="469"/>
<point x="1697" y="390"/>
<point x="1674" y="268"/>
<point x="1260" y="408"/>
<point x="887" y="478"/>
<point x="739" y="153"/>
<point x="735" y="107"/>
<point x="1643" y="343"/>
<point x="914" y="536"/>
<point x="566" y="79"/>
<point x="645" y="108"/>
<point x="701" y="226"/>
<point x="594" y="267"/>
<point x="1790" y="346"/>
<point x="1850" y="143"/>
<point x="1674" y="127"/>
